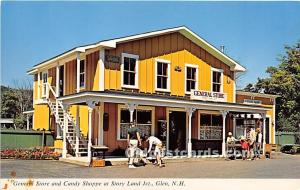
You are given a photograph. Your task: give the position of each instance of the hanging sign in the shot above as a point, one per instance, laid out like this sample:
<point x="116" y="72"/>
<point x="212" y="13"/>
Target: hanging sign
<point x="208" y="96"/>
<point x="112" y="59"/>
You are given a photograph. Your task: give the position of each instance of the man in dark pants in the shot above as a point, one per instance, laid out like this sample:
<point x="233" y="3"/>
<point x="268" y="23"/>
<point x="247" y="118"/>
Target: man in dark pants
<point x="133" y="138"/>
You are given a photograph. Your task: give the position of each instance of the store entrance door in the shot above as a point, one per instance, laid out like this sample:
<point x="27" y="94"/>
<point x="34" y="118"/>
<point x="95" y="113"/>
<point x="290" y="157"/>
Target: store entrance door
<point x="177" y="130"/>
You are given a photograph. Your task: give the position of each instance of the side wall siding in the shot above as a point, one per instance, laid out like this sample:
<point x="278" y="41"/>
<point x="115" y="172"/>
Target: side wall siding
<point x="176" y="48"/>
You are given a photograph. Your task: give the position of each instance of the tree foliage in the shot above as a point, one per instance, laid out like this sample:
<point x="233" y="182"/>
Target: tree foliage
<point x="14" y="101"/>
<point x="284" y="80"/>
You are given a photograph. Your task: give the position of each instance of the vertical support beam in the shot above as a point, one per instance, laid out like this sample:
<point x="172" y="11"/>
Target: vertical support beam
<point x="100" y="130"/>
<point x="190" y="111"/>
<point x="64" y="151"/>
<point x="224" y="114"/>
<point x="131" y="108"/>
<point x="27" y="118"/>
<point x="77" y="131"/>
<point x="78" y="72"/>
<point x="57" y="80"/>
<point x="263" y="115"/>
<point x="101" y="69"/>
<point x="91" y="105"/>
<point x="39" y="85"/>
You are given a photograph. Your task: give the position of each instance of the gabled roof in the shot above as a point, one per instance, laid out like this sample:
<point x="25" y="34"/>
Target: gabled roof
<point x="112" y="43"/>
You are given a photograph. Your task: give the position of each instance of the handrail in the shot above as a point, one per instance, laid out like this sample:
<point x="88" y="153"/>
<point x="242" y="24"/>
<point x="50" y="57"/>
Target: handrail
<point x="51" y="89"/>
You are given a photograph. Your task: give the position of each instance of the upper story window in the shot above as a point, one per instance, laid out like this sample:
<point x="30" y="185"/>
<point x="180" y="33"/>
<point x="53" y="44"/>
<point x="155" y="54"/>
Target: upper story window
<point x="191" y="78"/>
<point x="44" y="83"/>
<point x="82" y="74"/>
<point x="217" y="75"/>
<point x="129" y="70"/>
<point x="162" y="72"/>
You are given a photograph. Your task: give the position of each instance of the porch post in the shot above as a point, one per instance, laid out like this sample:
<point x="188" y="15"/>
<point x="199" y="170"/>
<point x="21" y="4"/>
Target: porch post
<point x="27" y="118"/>
<point x="190" y="114"/>
<point x="91" y="105"/>
<point x="64" y="151"/>
<point x="57" y="80"/>
<point x="77" y="131"/>
<point x="263" y="115"/>
<point x="39" y="88"/>
<point x="131" y="108"/>
<point x="78" y="73"/>
<point x="224" y="114"/>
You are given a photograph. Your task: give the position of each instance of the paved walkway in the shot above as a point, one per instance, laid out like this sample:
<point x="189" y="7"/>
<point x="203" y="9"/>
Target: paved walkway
<point x="287" y="167"/>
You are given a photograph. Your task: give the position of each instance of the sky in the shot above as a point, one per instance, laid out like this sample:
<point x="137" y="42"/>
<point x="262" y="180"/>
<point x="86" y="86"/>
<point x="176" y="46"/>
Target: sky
<point x="253" y="33"/>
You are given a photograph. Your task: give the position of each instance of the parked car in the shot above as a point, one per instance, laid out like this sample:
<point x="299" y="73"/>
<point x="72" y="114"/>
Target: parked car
<point x="290" y="148"/>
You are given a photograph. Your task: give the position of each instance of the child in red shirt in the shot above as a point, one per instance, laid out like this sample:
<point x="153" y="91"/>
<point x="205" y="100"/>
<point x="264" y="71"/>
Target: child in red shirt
<point x="245" y="147"/>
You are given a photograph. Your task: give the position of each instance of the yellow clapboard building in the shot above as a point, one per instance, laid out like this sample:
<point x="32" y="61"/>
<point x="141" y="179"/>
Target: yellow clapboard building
<point x="171" y="83"/>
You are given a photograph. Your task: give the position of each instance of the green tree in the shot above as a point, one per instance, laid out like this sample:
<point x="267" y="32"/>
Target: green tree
<point x="284" y="80"/>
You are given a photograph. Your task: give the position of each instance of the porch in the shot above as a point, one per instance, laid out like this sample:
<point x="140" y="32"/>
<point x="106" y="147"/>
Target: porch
<point x="110" y="130"/>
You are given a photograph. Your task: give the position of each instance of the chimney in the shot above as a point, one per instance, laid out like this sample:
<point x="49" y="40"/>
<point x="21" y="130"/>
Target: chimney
<point x="222" y="47"/>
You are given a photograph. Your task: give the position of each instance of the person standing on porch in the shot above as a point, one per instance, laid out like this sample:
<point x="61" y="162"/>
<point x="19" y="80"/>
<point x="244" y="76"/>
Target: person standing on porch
<point x="258" y="142"/>
<point x="133" y="139"/>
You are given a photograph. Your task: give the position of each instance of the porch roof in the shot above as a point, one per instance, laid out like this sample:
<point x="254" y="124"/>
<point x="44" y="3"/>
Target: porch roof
<point x="157" y="100"/>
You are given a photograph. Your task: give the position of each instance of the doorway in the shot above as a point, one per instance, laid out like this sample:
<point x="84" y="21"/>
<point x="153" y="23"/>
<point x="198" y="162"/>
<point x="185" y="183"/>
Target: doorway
<point x="177" y="130"/>
<point x="61" y="80"/>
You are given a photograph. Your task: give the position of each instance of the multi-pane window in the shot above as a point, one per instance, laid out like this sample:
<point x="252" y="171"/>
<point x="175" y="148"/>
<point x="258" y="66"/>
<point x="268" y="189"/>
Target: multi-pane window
<point x="82" y="74"/>
<point x="162" y="75"/>
<point x="130" y="70"/>
<point x="142" y="119"/>
<point x="44" y="83"/>
<point x="217" y="82"/>
<point x="191" y="78"/>
<point x="211" y="127"/>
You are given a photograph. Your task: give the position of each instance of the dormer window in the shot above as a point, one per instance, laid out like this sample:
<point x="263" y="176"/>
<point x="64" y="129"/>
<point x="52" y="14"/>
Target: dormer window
<point x="129" y="70"/>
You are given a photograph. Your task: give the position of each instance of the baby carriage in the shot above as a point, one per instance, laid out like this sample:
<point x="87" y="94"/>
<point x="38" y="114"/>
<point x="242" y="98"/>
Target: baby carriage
<point x="139" y="156"/>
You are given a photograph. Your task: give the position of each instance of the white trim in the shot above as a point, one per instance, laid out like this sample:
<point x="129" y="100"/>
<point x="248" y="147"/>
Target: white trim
<point x="100" y="129"/>
<point x="155" y="101"/>
<point x="136" y="80"/>
<point x="222" y="75"/>
<point x="185" y="76"/>
<point x="255" y="94"/>
<point x="78" y="72"/>
<point x="64" y="80"/>
<point x="39" y="86"/>
<point x="57" y="80"/>
<point x="270" y="127"/>
<point x="169" y="75"/>
<point x="234" y="87"/>
<point x="122" y="106"/>
<point x="101" y="69"/>
<point x="84" y="73"/>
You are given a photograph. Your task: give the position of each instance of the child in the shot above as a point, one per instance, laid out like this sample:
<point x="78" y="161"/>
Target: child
<point x="245" y="147"/>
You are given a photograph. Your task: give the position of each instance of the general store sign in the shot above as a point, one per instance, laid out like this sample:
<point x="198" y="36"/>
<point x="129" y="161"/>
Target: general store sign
<point x="208" y="96"/>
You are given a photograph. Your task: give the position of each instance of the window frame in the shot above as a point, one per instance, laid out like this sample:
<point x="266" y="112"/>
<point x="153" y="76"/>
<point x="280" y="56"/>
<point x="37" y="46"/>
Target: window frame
<point x="136" y="80"/>
<point x="120" y="107"/>
<point x="84" y="73"/>
<point x="185" y="77"/>
<point x="212" y="79"/>
<point x="44" y="92"/>
<point x="211" y="113"/>
<point x="168" y="72"/>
